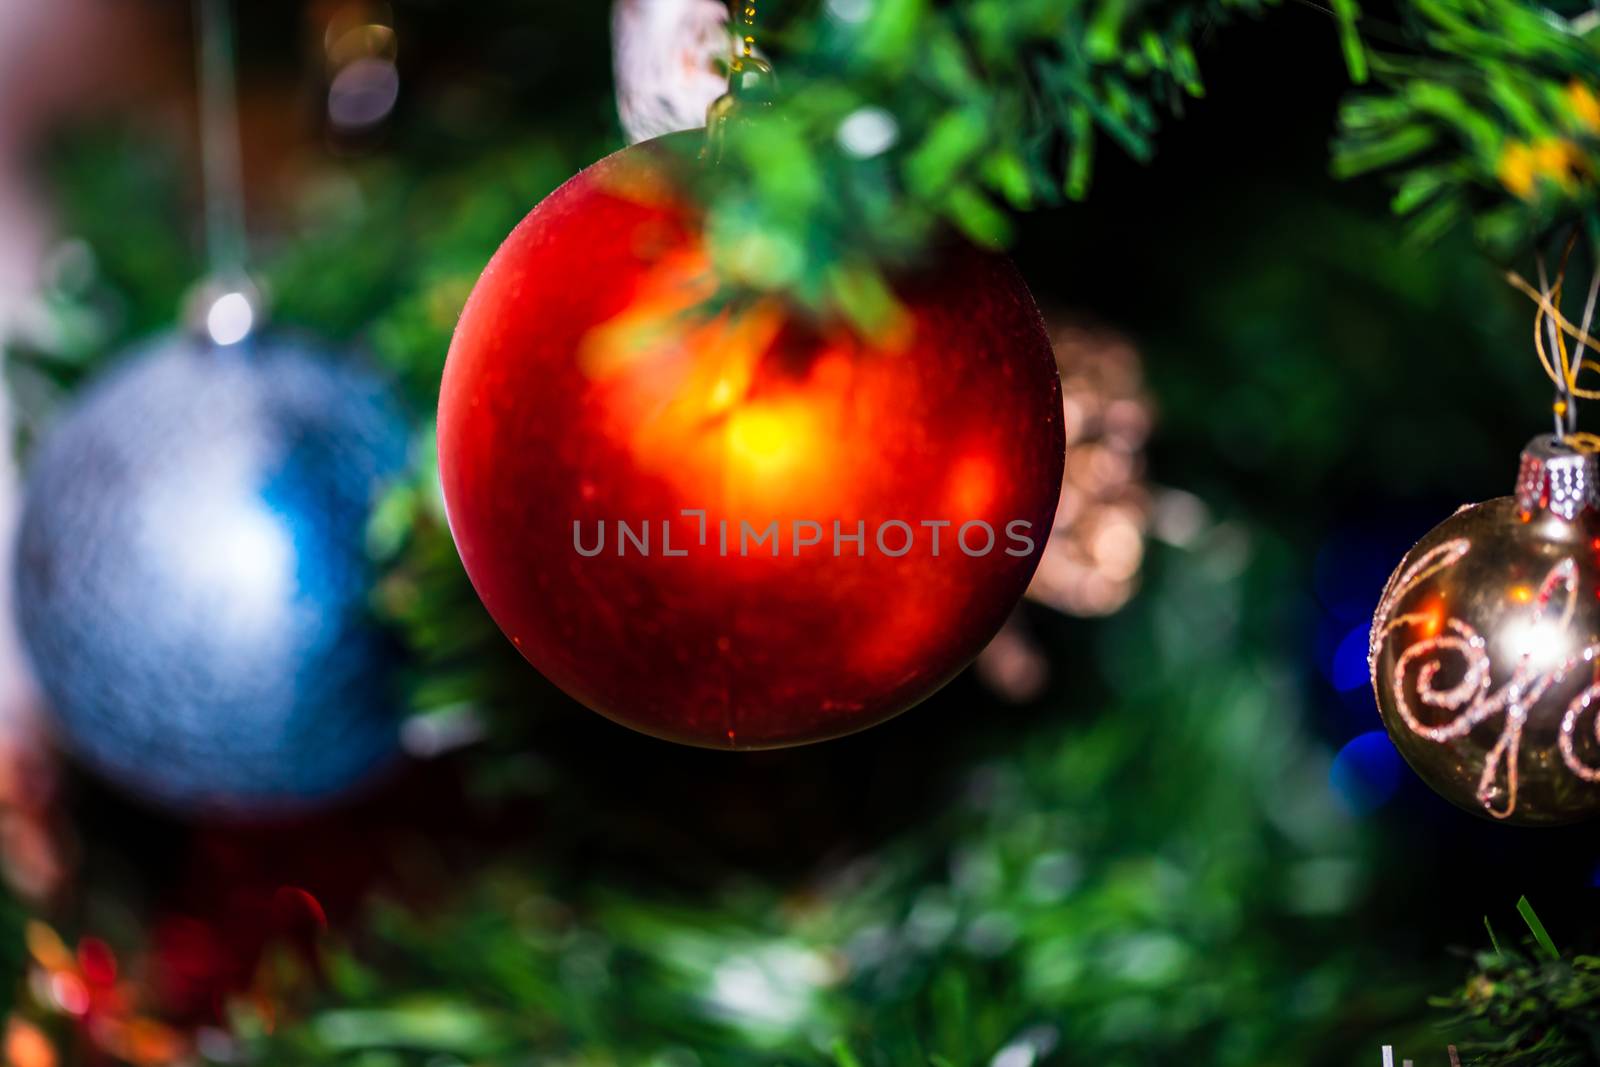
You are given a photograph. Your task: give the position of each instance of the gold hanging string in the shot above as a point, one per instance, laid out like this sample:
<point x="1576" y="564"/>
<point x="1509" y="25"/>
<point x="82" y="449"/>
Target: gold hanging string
<point x="1569" y="370"/>
<point x="1565" y="404"/>
<point x="1551" y="329"/>
<point x="1582" y="334"/>
<point x="747" y="16"/>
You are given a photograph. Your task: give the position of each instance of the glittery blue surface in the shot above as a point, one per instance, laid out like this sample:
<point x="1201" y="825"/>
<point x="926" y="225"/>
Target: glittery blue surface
<point x="192" y="580"/>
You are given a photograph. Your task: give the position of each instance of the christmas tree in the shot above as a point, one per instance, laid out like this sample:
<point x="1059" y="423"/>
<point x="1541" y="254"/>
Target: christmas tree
<point x="1158" y="821"/>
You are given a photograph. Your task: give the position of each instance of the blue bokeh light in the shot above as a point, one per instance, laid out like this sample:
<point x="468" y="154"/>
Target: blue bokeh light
<point x="1349" y="670"/>
<point x="1366" y="772"/>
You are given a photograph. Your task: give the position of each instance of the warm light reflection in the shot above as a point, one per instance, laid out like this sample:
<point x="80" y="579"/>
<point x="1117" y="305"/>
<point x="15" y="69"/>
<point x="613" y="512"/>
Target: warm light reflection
<point x="1538" y="643"/>
<point x="716" y="407"/>
<point x="972" y="487"/>
<point x="723" y="394"/>
<point x="768" y="441"/>
<point x="1430" y="617"/>
<point x="26" y="1045"/>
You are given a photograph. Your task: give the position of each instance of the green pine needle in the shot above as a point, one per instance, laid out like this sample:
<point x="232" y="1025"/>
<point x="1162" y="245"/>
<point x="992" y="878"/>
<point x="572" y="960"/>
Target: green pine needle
<point x="1540" y="935"/>
<point x="1493" y="940"/>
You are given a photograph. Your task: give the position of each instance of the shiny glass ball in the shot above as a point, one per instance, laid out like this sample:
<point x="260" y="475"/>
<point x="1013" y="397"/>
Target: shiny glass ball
<point x="192" y="579"/>
<point x="1485" y="658"/>
<point x="777" y="476"/>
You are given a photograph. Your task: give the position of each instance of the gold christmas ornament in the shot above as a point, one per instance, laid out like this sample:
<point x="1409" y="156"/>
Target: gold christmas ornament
<point x="1485" y="649"/>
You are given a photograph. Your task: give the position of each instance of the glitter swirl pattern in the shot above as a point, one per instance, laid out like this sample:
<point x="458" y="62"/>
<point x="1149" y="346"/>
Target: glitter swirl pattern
<point x="1448" y="643"/>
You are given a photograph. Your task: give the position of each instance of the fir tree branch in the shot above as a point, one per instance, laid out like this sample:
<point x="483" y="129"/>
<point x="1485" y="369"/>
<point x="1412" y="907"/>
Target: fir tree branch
<point x="979" y="109"/>
<point x="1494" y="121"/>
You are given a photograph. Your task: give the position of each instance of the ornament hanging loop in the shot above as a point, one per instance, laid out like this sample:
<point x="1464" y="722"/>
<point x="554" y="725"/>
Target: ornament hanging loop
<point x="747" y="37"/>
<point x="752" y="84"/>
<point x="1564" y="409"/>
<point x="225" y="306"/>
<point x="1551" y="331"/>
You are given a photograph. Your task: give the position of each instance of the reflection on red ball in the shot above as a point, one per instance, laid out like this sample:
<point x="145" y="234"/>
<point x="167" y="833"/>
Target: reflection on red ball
<point x="739" y="530"/>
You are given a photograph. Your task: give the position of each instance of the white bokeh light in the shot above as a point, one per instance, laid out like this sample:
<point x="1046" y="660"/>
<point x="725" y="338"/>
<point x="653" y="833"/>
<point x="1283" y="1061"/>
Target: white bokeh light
<point x="850" y="10"/>
<point x="363" y="94"/>
<point x="243" y="566"/>
<point x="868" y="132"/>
<point x="230" y="318"/>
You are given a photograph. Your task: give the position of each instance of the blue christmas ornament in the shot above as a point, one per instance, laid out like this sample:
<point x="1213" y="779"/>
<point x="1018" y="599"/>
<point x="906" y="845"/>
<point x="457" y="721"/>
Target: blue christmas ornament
<point x="192" y="582"/>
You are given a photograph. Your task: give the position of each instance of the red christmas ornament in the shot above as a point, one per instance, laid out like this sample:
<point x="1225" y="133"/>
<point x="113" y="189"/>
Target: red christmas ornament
<point x="739" y="530"/>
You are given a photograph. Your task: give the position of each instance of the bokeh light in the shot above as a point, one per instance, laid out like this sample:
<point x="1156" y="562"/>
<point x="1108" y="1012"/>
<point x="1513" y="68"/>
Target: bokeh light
<point x="1091" y="565"/>
<point x="1366" y="772"/>
<point x="230" y="318"/>
<point x="361" y="51"/>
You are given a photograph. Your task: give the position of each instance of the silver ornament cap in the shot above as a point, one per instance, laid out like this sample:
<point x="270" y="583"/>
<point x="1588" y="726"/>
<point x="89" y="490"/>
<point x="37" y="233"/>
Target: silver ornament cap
<point x="1557" y="477"/>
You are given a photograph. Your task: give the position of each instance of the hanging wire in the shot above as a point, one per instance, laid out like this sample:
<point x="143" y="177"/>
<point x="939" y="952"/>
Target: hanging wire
<point x="226" y="248"/>
<point x="1578" y="333"/>
<point x="750" y="76"/>
<point x="748" y="35"/>
<point x="1551" y="330"/>
<point x="1584" y="339"/>
<point x="1564" y="406"/>
<point x="1565" y="325"/>
<point x="750" y="81"/>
